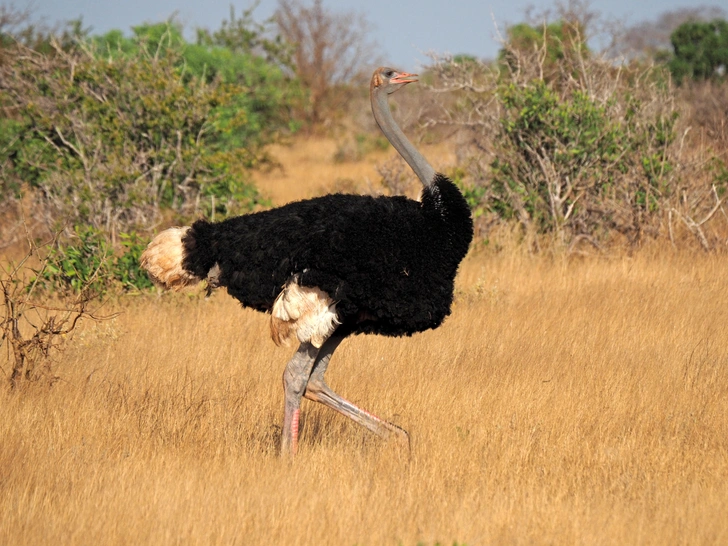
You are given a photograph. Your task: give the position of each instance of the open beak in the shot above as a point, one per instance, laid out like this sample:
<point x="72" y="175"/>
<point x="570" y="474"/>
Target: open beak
<point x="404" y="77"/>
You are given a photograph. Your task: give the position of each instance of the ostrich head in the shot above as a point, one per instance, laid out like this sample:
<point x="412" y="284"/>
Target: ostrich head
<point x="389" y="80"/>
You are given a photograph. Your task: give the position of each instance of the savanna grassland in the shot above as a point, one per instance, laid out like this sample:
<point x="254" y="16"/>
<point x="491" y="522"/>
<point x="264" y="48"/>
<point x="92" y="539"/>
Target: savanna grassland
<point x="565" y="401"/>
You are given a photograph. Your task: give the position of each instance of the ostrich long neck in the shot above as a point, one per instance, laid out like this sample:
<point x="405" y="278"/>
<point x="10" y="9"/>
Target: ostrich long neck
<point x="383" y="115"/>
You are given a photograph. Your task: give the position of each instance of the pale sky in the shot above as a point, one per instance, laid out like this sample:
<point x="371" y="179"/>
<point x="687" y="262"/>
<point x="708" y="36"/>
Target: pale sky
<point x="405" y="30"/>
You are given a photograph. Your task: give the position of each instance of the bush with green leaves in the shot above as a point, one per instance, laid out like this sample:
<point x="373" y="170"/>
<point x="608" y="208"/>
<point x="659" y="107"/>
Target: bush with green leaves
<point x="573" y="148"/>
<point x="575" y="165"/>
<point x="88" y="262"/>
<point x="237" y="54"/>
<point x="117" y="130"/>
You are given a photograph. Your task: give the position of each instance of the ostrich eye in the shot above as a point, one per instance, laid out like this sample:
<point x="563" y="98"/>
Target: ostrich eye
<point x="389" y="73"/>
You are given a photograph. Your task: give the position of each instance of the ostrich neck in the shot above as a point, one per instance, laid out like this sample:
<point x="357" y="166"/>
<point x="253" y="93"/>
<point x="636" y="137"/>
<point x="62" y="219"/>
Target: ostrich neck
<point x="383" y="115"/>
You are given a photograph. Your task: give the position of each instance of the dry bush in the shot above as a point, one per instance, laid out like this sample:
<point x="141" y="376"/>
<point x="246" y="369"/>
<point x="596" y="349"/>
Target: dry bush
<point x="34" y="326"/>
<point x="706" y="106"/>
<point x="397" y="177"/>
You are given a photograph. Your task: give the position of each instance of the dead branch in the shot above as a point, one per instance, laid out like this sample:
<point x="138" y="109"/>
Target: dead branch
<point x="32" y="346"/>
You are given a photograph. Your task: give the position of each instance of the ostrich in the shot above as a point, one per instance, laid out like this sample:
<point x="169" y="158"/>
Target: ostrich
<point x="332" y="266"/>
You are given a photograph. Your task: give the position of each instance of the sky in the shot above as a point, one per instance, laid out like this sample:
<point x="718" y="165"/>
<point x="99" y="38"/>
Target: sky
<point x="404" y="30"/>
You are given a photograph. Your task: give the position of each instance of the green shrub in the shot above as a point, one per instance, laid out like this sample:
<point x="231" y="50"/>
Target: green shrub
<point x="568" y="163"/>
<point x="116" y="130"/>
<point x="82" y="263"/>
<point x="566" y="145"/>
<point x="127" y="270"/>
<point x="87" y="262"/>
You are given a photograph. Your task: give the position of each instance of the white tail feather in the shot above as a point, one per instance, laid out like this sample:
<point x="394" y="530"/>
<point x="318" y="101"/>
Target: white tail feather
<point x="163" y="260"/>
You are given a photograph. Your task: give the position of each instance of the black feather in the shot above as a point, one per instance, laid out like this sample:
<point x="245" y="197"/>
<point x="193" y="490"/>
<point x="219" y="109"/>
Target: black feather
<point x="388" y="262"/>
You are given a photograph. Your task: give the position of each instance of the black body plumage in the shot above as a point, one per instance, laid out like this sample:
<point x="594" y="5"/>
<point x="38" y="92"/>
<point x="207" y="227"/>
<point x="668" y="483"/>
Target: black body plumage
<point x="389" y="263"/>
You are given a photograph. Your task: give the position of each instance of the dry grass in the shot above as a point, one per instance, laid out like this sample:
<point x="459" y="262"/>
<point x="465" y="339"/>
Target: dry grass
<point x="309" y="170"/>
<point x="561" y="403"/>
<point x="558" y="405"/>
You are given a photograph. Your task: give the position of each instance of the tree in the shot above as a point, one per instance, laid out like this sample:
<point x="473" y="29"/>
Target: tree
<point x="651" y="39"/>
<point x="701" y="50"/>
<point x="244" y="35"/>
<point x="331" y="49"/>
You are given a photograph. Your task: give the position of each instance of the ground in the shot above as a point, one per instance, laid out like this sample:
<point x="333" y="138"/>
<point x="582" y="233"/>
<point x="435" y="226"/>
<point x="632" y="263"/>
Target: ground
<point x="565" y="401"/>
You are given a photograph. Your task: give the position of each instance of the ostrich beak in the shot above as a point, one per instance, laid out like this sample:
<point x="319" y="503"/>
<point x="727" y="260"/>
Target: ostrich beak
<point x="404" y="77"/>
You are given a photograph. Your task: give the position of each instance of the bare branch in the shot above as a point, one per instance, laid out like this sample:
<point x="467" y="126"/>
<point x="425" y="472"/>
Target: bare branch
<point x="331" y="49"/>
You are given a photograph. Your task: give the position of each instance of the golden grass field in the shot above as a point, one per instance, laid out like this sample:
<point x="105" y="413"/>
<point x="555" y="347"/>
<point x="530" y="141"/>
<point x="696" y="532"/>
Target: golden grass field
<point x="579" y="401"/>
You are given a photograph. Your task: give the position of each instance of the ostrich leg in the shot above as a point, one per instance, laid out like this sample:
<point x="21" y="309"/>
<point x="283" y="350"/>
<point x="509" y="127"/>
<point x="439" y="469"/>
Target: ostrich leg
<point x="318" y="391"/>
<point x="295" y="378"/>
